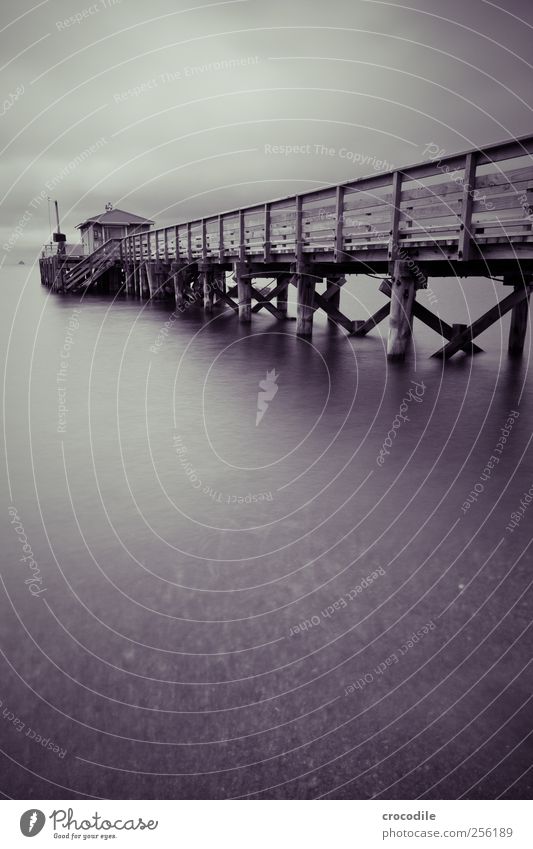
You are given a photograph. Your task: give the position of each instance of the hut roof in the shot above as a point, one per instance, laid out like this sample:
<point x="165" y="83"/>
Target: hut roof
<point x="115" y="216"/>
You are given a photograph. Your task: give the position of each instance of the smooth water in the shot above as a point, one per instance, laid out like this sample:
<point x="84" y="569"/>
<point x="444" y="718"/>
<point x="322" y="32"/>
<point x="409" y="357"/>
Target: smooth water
<point x="215" y="607"/>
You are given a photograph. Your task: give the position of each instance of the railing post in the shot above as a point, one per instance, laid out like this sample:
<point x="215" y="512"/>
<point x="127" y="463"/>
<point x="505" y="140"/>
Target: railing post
<point x="298" y="246"/>
<point x="221" y="238"/>
<point x="131" y="266"/>
<point x="339" y="223"/>
<point x="142" y="267"/>
<point x="266" y="241"/>
<point x="396" y="201"/>
<point x="204" y="239"/>
<point x="189" y="244"/>
<point x="242" y="253"/>
<point x="469" y="184"/>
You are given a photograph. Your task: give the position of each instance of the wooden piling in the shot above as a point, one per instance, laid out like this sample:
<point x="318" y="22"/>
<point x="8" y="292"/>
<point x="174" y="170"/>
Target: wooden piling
<point x="148" y="269"/>
<point x="282" y="299"/>
<point x="177" y="277"/>
<point x="145" y="293"/>
<point x="305" y="306"/>
<point x="519" y="319"/>
<point x="244" y="293"/>
<point x="165" y="283"/>
<point x="333" y="294"/>
<point x="401" y="310"/>
<point x="115" y="279"/>
<point x="131" y="278"/>
<point x="219" y="279"/>
<point x="206" y="275"/>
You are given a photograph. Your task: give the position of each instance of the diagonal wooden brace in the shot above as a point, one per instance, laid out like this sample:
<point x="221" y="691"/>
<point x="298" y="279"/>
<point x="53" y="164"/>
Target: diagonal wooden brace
<point x="264" y="303"/>
<point x="361" y="328"/>
<point x="263" y="299"/>
<point x="433" y="321"/>
<point x="224" y="296"/>
<point x="483" y="322"/>
<point x="268" y="296"/>
<point x="332" y="312"/>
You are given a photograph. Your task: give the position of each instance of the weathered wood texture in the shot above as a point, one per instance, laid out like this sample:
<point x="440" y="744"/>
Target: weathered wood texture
<point x="305" y="303"/>
<point x="403" y="289"/>
<point x="463" y="214"/>
<point x="467" y="205"/>
<point x="519" y="321"/>
<point x="483" y="322"/>
<point x="244" y="292"/>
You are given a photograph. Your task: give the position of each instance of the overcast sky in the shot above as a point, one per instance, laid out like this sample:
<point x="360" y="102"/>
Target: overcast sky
<point x="179" y="106"/>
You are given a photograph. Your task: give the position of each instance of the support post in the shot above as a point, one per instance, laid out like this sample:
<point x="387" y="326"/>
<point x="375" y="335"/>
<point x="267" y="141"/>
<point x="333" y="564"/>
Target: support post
<point x="206" y="275"/>
<point x="113" y="280"/>
<point x="150" y="280"/>
<point x="244" y="292"/>
<point x="144" y="284"/>
<point x="401" y="311"/>
<point x="282" y="298"/>
<point x="305" y="309"/>
<point x="519" y="319"/>
<point x="333" y="294"/>
<point x="130" y="288"/>
<point x="219" y="282"/>
<point x="180" y="285"/>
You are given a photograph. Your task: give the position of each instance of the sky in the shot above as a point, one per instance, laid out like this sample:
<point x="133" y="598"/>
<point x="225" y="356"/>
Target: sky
<point x="176" y="110"/>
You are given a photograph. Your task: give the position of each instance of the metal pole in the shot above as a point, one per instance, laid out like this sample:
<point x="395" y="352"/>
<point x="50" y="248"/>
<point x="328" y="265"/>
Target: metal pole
<point x="57" y="216"/>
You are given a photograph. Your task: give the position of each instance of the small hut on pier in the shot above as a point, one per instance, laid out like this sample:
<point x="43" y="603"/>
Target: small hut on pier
<point x="111" y="224"/>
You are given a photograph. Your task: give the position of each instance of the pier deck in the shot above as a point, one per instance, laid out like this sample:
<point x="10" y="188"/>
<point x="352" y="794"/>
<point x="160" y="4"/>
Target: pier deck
<point x="469" y="214"/>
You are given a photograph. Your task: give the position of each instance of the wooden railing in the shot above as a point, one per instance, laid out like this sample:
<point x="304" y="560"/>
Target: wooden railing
<point x="92" y="265"/>
<point x="453" y="204"/>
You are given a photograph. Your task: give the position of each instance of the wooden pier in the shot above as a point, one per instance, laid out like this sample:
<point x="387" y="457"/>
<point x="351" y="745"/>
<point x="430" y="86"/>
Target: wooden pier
<point x="469" y="214"/>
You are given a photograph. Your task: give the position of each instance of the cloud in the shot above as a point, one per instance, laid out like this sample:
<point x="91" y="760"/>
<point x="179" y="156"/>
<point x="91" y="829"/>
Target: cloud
<point x="187" y="101"/>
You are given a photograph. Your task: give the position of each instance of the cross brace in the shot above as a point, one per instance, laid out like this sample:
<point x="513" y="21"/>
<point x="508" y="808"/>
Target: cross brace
<point x="263" y="303"/>
<point x="332" y="312"/>
<point x="224" y="296"/>
<point x="361" y="328"/>
<point x="433" y="321"/>
<point x="484" y="321"/>
<point x="322" y="302"/>
<point x="264" y="297"/>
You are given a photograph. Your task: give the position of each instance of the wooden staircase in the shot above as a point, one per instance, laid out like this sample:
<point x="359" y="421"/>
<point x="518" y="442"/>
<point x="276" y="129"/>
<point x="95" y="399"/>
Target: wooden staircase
<point x="89" y="269"/>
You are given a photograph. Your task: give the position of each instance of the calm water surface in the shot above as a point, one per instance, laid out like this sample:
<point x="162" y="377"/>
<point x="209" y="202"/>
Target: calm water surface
<point x="226" y="608"/>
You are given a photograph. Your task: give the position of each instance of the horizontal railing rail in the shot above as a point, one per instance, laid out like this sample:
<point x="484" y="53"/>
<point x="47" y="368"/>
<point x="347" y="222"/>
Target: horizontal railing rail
<point x="458" y="202"/>
<point x="94" y="263"/>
